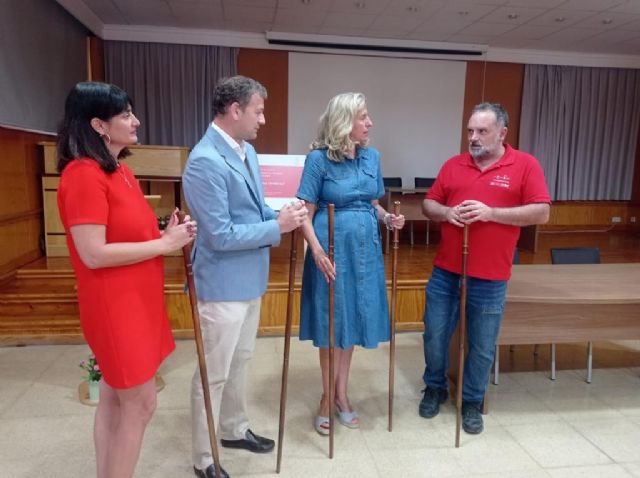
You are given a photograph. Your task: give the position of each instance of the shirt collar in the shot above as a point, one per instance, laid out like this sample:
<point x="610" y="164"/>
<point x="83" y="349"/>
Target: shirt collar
<point x="239" y="148"/>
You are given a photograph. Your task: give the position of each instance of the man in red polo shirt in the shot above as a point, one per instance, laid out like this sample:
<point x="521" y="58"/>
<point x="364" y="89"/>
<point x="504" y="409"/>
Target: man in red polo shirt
<point x="494" y="189"/>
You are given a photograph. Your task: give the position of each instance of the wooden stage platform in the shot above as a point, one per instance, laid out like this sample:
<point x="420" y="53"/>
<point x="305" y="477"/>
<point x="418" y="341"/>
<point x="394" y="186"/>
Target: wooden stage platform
<point x="39" y="304"/>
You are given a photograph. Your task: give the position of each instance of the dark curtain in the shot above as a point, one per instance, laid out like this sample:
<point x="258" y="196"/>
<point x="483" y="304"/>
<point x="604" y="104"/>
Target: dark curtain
<point x="582" y="125"/>
<point x="171" y="86"/>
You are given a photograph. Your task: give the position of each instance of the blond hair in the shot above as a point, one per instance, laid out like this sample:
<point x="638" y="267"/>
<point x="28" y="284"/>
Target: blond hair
<point x="336" y="124"/>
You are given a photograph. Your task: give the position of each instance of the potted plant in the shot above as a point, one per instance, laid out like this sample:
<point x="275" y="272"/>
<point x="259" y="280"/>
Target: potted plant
<point x="94" y="374"/>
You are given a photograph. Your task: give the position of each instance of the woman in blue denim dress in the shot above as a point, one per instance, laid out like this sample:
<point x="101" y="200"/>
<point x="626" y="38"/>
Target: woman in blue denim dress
<point x="342" y="170"/>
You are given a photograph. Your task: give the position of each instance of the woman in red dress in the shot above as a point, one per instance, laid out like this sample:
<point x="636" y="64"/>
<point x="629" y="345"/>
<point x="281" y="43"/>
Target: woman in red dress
<point x="116" y="251"/>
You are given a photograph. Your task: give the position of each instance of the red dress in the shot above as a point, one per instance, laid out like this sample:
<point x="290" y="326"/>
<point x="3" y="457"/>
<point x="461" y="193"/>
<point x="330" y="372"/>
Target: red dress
<point x="122" y="310"/>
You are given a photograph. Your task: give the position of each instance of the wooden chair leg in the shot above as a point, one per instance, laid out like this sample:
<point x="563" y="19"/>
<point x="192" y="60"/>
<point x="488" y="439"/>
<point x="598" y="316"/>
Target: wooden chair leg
<point x="484" y="407"/>
<point x="589" y="361"/>
<point x="427" y="234"/>
<point x="496" y="366"/>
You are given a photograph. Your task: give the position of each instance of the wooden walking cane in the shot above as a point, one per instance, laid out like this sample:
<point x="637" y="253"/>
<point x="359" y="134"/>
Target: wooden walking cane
<point x="332" y="386"/>
<point x="287" y="345"/>
<point x="394" y="290"/>
<point x="202" y="365"/>
<point x="462" y="330"/>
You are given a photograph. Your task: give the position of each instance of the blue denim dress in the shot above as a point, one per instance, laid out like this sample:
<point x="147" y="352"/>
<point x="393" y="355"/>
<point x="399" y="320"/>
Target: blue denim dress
<point x="361" y="313"/>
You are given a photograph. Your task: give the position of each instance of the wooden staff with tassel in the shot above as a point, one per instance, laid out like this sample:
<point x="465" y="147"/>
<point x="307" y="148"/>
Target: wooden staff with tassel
<point x="331" y="211"/>
<point x="287" y="344"/>
<point x="394" y="293"/>
<point x="202" y="365"/>
<point x="462" y="330"/>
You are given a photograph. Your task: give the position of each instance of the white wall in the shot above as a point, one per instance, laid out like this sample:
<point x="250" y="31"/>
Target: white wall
<point x="416" y="106"/>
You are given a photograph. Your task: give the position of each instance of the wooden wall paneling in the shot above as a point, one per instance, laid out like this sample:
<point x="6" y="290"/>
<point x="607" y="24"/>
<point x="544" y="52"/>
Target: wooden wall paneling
<point x="273" y="313"/>
<point x="54" y="233"/>
<point x="20" y="199"/>
<point x="178" y="308"/>
<point x="586" y="214"/>
<point x="410" y="308"/>
<point x="52" y="221"/>
<point x="20" y="170"/>
<point x="473" y="88"/>
<point x="145" y="160"/>
<point x="95" y="64"/>
<point x="503" y="85"/>
<point x="495" y="83"/>
<point x="271" y="68"/>
<point x="167" y="201"/>
<point x="20" y="242"/>
<point x="160" y="166"/>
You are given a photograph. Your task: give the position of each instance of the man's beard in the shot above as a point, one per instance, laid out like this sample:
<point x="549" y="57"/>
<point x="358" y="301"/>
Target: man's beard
<point x="478" y="151"/>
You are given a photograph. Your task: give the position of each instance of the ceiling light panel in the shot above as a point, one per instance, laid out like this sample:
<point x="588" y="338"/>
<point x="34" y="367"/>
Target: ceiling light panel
<point x="250" y="3"/>
<point x="399" y="24"/>
<point x="106" y="11"/>
<point x="197" y="15"/>
<point x="451" y="11"/>
<point x="568" y="36"/>
<point x="536" y="3"/>
<point x="375" y="7"/>
<point x="571" y="17"/>
<point x="487" y="29"/>
<point x="513" y="15"/>
<point x="146" y="12"/>
<point x="312" y="6"/>
<point x="249" y="14"/>
<point x="612" y="37"/>
<point x="491" y="3"/>
<point x="413" y="8"/>
<point x="293" y="17"/>
<point x="530" y="32"/>
<point x="633" y="26"/>
<point x="629" y="7"/>
<point x="471" y="4"/>
<point x="631" y="47"/>
<point x="607" y="20"/>
<point x="348" y="21"/>
<point x="593" y="5"/>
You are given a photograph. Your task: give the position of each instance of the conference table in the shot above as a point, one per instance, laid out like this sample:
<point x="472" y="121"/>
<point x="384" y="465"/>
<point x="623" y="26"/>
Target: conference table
<point x="568" y="304"/>
<point x="410" y="207"/>
<point x="572" y="303"/>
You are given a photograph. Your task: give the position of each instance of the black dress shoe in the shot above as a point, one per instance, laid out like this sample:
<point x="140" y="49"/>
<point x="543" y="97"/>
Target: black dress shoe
<point x="251" y="442"/>
<point x="210" y="472"/>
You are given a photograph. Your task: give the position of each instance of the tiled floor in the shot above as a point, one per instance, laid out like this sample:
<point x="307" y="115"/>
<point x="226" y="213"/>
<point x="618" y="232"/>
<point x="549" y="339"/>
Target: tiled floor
<point x="535" y="428"/>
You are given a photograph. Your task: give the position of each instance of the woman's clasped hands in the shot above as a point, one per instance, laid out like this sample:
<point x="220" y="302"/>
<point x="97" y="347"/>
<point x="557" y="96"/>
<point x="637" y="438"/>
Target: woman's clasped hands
<point x="179" y="234"/>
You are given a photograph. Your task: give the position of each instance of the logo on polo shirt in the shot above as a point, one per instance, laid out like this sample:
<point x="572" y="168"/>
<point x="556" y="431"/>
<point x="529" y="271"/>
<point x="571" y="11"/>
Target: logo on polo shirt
<point x="500" y="181"/>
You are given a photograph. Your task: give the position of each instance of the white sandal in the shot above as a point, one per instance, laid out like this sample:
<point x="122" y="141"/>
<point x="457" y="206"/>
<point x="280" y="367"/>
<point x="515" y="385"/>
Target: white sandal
<point x="321" y="424"/>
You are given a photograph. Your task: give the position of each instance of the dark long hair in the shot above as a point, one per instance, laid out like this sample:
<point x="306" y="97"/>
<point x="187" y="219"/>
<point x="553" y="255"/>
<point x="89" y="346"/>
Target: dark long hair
<point x="76" y="136"/>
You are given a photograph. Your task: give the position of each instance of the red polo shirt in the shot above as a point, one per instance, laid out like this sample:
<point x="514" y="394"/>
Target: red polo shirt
<point x="515" y="179"/>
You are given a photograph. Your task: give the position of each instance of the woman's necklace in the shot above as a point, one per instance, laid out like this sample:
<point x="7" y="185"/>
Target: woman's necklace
<point x="124" y="176"/>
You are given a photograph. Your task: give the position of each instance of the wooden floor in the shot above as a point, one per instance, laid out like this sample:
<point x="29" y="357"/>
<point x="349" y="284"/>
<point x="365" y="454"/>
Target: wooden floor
<point x="39" y="305"/>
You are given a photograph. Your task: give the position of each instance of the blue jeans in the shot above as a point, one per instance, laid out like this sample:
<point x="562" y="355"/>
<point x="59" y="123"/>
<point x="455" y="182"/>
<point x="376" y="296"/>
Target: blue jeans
<point x="485" y="305"/>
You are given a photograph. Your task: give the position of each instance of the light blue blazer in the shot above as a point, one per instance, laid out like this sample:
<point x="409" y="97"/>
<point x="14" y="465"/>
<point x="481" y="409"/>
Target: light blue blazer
<point x="235" y="227"/>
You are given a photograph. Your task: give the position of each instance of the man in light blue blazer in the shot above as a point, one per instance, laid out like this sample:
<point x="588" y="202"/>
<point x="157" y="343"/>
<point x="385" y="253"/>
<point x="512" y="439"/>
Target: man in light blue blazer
<point x="236" y="229"/>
